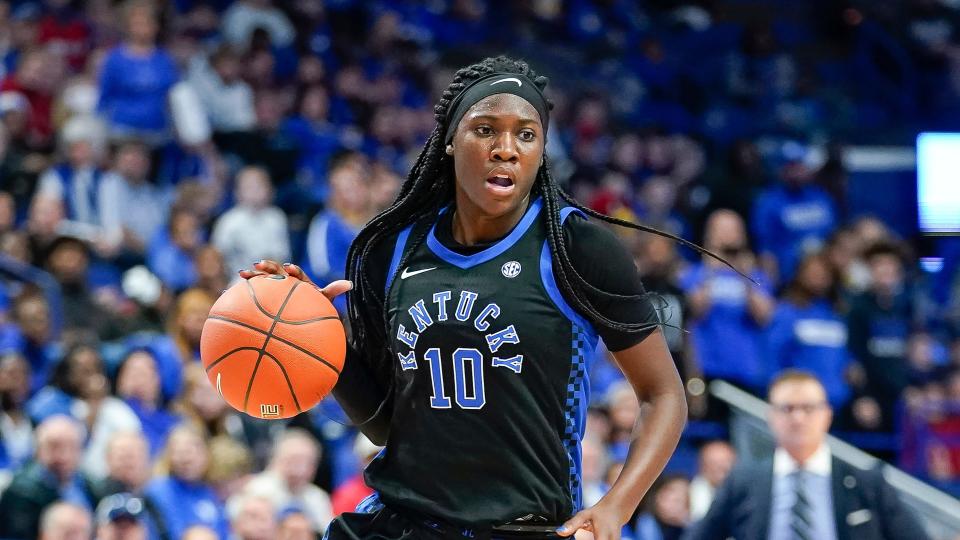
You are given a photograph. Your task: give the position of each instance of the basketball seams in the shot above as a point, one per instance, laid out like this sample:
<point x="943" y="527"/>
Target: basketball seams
<point x="269" y="334"/>
<point x="285" y="341"/>
<point x="277" y="318"/>
<point x="286" y="377"/>
<point x="225" y="355"/>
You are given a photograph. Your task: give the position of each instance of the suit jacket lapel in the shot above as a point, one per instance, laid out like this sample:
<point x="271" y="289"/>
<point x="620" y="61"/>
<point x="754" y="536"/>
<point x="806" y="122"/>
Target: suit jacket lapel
<point x="841" y="500"/>
<point x="763" y="493"/>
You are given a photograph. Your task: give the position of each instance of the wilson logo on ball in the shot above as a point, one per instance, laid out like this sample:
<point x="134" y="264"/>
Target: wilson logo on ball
<point x="270" y="411"/>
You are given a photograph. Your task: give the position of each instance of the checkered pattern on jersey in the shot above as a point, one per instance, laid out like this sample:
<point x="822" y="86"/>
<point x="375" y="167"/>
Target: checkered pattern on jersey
<point x="575" y="408"/>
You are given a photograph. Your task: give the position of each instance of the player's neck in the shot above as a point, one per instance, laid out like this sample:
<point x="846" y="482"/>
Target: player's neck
<point x="471" y="226"/>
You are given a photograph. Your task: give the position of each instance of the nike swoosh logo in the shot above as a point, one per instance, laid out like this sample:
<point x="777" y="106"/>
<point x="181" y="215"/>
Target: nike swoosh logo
<point x="407" y="273"/>
<point x="513" y="79"/>
<point x="219" y="390"/>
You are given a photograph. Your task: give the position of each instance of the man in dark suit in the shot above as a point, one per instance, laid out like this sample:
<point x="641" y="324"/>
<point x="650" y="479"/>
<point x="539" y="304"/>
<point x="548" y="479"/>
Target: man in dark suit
<point x="802" y="492"/>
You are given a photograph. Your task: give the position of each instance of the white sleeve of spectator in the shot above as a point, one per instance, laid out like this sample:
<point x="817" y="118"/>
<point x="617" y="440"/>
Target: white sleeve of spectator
<point x="110" y="199"/>
<point x="50" y="184"/>
<point x="283" y="236"/>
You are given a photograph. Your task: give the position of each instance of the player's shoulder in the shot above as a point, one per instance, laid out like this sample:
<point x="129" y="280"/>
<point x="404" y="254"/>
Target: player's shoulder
<point x="589" y="237"/>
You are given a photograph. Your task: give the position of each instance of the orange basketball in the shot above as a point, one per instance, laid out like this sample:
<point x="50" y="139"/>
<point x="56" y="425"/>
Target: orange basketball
<point x="272" y="346"/>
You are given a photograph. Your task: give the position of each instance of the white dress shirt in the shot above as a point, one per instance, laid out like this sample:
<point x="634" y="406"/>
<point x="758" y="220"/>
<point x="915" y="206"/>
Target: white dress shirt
<point x="818" y="487"/>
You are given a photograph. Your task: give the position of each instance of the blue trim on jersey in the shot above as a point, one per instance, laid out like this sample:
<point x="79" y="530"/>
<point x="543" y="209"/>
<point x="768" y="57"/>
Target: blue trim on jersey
<point x="584" y="342"/>
<point x="575" y="408"/>
<point x="370" y="504"/>
<point x="550" y="283"/>
<point x="397" y="255"/>
<point x="468" y="261"/>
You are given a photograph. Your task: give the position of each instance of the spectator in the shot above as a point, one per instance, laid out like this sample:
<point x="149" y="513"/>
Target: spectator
<point x="186" y="322"/>
<point x="141" y="207"/>
<point x="253" y="229"/>
<point x="211" y="270"/>
<point x="68" y="261"/>
<point x="594" y="464"/>
<point x="879" y="324"/>
<point x="180" y="494"/>
<point x="121" y="517"/>
<point x="255" y="519"/>
<point x="333" y="229"/>
<point x="83" y="186"/>
<point x="199" y="532"/>
<point x="320" y="140"/>
<point x="287" y="480"/>
<point x="64" y="30"/>
<point x="79" y="388"/>
<point x="808" y="333"/>
<point x="791" y="219"/>
<point x="128" y="465"/>
<point x="52" y="476"/>
<point x="716" y="460"/>
<point x="793" y="494"/>
<point x="171" y="252"/>
<point x="725" y="308"/>
<point x="20" y="163"/>
<point x="295" y="525"/>
<point x="226" y="97"/>
<point x="16" y="431"/>
<point x="624" y="412"/>
<point x="38" y="76"/>
<point x="667" y="512"/>
<point x="43" y="226"/>
<point x="231" y="465"/>
<point x="136" y="77"/>
<point x="138" y="384"/>
<point x="35" y="338"/>
<point x="349" y="494"/>
<point x="65" y="521"/>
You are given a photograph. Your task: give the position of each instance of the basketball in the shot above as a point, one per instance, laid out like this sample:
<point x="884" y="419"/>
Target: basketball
<point x="273" y="346"/>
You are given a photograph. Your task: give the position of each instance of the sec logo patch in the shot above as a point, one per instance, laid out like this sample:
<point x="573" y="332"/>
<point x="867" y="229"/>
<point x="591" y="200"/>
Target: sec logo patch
<point x="510" y="269"/>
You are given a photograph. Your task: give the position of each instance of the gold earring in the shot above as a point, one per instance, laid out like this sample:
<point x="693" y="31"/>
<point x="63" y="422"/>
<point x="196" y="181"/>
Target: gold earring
<point x="449" y="149"/>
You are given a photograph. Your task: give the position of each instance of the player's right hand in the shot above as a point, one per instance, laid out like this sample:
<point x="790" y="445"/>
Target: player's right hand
<point x="268" y="267"/>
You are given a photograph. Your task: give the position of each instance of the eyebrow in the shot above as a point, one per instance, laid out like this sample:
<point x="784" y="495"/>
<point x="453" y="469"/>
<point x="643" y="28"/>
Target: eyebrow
<point x="523" y="120"/>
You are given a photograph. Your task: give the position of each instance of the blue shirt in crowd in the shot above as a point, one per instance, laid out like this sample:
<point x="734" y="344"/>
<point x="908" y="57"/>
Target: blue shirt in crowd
<point x="328" y="241"/>
<point x="169" y="262"/>
<point x="133" y="89"/>
<point x="728" y="341"/>
<point x="812" y="338"/>
<point x="182" y="505"/>
<point x="789" y="222"/>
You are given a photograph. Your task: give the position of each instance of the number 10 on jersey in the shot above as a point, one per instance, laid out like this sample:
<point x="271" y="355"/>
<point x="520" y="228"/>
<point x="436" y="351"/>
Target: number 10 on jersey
<point x="467" y="379"/>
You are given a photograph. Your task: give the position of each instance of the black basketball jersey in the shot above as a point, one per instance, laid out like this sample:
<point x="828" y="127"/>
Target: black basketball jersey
<point x="492" y="388"/>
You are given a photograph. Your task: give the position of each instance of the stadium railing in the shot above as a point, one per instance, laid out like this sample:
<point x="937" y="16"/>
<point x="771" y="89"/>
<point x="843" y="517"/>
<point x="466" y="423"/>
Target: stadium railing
<point x="939" y="512"/>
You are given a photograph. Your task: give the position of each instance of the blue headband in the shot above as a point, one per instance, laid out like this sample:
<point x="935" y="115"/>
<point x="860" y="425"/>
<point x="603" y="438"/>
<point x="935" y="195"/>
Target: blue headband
<point x="495" y="83"/>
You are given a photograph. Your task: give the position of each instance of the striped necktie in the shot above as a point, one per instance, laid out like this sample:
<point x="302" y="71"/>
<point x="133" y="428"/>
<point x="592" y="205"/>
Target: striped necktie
<point x="801" y="515"/>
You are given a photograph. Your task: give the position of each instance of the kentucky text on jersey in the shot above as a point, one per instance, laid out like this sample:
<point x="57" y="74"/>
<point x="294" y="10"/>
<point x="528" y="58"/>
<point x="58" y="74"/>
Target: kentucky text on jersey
<point x="423" y="318"/>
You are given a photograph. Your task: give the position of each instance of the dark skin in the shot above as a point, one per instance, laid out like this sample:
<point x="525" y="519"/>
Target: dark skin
<point x="502" y="135"/>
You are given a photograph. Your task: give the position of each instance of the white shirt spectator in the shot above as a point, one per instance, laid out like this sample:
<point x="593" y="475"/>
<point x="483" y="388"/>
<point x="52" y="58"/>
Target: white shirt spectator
<point x="228" y="105"/>
<point x="113" y="416"/>
<point x="701" y="496"/>
<point x="245" y="235"/>
<point x="94" y="213"/>
<point x="314" y="501"/>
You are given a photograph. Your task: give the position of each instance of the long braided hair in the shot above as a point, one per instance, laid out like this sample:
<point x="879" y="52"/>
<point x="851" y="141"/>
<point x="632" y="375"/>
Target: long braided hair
<point x="429" y="187"/>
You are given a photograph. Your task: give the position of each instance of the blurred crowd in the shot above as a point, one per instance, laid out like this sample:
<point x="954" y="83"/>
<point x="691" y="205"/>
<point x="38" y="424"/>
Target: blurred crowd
<point x="150" y="149"/>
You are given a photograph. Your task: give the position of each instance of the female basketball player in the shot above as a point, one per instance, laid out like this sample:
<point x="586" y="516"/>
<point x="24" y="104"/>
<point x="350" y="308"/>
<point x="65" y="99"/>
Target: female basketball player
<point x="477" y="300"/>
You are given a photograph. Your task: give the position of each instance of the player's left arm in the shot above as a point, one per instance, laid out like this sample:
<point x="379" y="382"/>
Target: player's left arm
<point x="649" y="368"/>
